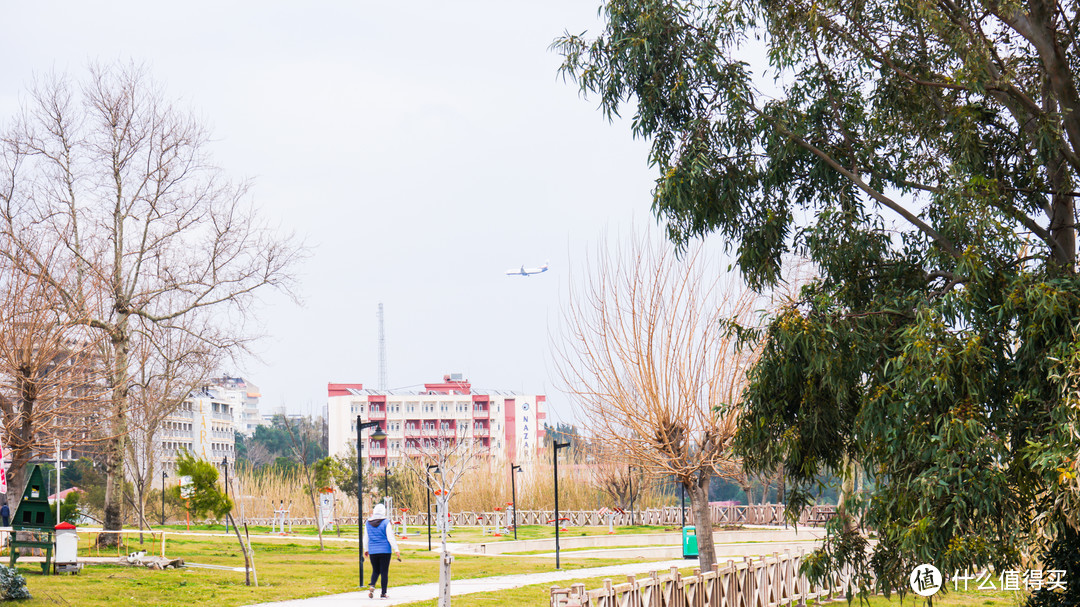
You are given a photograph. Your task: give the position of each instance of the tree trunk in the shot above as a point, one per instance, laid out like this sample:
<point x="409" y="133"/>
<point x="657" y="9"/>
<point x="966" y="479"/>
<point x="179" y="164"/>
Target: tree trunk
<point x="17" y="477"/>
<point x="116" y="444"/>
<point x="318" y="511"/>
<point x="444" y="559"/>
<point x="243" y="548"/>
<point x="699" y="503"/>
<point x="847" y="490"/>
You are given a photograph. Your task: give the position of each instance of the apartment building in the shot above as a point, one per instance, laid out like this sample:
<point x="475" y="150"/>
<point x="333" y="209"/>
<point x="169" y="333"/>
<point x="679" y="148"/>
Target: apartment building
<point x="506" y="424"/>
<point x="243" y="397"/>
<point x="204" y="425"/>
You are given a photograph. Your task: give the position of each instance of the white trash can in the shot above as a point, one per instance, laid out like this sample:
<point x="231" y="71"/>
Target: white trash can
<point x="67" y="549"/>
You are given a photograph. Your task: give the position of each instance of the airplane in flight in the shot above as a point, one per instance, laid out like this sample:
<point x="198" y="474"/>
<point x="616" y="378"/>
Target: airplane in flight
<point x="528" y="271"/>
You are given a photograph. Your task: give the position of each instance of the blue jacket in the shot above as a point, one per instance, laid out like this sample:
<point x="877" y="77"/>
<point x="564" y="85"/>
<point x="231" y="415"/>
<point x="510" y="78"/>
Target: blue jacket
<point x="379" y="537"/>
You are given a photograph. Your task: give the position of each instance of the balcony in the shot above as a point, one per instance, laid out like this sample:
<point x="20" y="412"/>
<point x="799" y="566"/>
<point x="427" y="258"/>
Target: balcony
<point x="376" y="452"/>
<point x="412" y="432"/>
<point x="480" y="413"/>
<point x="481" y="432"/>
<point x="376" y="415"/>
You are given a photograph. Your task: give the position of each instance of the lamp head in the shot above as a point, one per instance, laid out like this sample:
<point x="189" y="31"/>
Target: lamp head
<point x="378" y="434"/>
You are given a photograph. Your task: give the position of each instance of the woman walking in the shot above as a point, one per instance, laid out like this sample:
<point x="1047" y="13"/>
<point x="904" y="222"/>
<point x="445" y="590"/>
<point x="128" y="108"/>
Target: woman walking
<point x="379" y="542"/>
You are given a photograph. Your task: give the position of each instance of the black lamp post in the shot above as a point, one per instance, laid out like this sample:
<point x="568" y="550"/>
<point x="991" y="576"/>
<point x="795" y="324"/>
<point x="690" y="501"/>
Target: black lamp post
<point x="555" y="458"/>
<point x="682" y="503"/>
<point x="513" y="494"/>
<point x="427" y="496"/>
<point x="163" y="477"/>
<point x="378" y="434"/>
<point x="225" y="464"/>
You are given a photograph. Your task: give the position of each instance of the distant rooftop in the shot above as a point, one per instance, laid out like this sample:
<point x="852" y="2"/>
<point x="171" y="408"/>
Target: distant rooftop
<point x="452" y="384"/>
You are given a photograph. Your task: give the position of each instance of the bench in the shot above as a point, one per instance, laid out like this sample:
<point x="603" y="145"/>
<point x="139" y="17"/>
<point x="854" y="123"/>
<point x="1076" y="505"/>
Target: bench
<point x="46" y="544"/>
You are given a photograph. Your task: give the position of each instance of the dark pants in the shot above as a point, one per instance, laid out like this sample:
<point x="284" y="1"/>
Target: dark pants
<point x="380" y="565"/>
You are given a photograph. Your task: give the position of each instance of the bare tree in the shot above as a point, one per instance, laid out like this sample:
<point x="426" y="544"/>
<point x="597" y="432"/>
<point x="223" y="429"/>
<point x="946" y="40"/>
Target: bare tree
<point x="657" y="376"/>
<point x="50" y="388"/>
<point x="301" y="438"/>
<point x="614" y="476"/>
<point x="165" y="370"/>
<point x="259" y="455"/>
<point x="151" y="236"/>
<point x="455" y="455"/>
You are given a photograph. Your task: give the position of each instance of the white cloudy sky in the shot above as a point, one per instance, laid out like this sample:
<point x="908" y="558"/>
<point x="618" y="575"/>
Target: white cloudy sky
<point x="421" y="148"/>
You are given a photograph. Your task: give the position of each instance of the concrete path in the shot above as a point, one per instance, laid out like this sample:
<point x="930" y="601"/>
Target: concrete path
<point x="421" y="592"/>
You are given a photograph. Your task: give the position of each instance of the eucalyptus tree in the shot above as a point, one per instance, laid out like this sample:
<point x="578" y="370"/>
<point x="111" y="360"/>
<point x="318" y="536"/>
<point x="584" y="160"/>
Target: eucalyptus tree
<point x="148" y="234"/>
<point x="923" y="156"/>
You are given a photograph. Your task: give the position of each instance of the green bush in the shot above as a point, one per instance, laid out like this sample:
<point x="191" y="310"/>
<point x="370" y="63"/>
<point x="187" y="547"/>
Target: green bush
<point x="12" y="584"/>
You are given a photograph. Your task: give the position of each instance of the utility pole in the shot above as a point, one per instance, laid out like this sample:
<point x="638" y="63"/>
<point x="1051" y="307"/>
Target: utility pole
<point x="382" y="351"/>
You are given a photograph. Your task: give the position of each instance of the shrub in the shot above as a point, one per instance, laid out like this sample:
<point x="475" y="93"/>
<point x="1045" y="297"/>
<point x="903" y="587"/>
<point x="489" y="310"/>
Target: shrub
<point x="12" y="584"/>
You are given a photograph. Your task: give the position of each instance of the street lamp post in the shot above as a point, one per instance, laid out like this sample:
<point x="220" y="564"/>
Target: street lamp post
<point x="163" y="477"/>
<point x="682" y="502"/>
<point x="386" y="480"/>
<point x="378" y="434"/>
<point x="513" y="494"/>
<point x="225" y="464"/>
<point x="630" y="489"/>
<point x="555" y="458"/>
<point x="427" y="496"/>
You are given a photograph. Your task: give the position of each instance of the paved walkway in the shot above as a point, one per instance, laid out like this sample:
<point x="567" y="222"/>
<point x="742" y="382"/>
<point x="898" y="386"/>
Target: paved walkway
<point x="421" y="592"/>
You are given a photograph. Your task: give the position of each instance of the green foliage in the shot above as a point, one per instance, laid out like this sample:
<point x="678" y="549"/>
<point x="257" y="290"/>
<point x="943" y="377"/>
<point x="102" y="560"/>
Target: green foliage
<point x="12" y="584"/>
<point x="69" y="508"/>
<point x="343" y="472"/>
<point x="81" y="473"/>
<point x="274" y="440"/>
<point x="1064" y="555"/>
<point x="563" y="433"/>
<point x="206" y="498"/>
<point x="240" y="445"/>
<point x="936" y="348"/>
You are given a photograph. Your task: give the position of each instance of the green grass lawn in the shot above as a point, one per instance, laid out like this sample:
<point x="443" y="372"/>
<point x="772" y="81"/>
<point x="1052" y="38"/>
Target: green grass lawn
<point x="286" y="570"/>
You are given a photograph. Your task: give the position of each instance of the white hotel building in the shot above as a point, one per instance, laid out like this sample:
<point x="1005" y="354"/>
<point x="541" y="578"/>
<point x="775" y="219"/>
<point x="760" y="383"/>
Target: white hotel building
<point x="205" y="425"/>
<point x="507" y="424"/>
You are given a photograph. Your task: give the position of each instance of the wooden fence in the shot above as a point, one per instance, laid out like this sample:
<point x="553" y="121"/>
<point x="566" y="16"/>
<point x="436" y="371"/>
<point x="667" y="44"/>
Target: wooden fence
<point x="767" y="514"/>
<point x="770" y="582"/>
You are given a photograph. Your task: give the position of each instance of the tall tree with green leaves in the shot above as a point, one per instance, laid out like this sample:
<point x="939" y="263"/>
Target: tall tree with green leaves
<point x="923" y="156"/>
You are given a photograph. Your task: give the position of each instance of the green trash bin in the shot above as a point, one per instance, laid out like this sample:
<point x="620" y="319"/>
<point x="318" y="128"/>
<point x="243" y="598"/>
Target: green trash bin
<point x="689" y="542"/>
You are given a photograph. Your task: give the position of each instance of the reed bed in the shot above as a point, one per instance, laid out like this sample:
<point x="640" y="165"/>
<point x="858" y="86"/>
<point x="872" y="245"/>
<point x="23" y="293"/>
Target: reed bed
<point x="482" y="489"/>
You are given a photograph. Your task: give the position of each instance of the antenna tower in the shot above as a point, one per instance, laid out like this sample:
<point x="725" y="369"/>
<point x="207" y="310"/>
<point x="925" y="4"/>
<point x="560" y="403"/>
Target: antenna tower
<point x="382" y="351"/>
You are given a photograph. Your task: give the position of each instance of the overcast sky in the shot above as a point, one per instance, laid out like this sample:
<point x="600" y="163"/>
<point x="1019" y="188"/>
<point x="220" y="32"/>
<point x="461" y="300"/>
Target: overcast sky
<point x="420" y="148"/>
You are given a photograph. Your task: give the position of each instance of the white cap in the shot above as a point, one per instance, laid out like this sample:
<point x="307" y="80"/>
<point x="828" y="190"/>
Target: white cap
<point x="379" y="511"/>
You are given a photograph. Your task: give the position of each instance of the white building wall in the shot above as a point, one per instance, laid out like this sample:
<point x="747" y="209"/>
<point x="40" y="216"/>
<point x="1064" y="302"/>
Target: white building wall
<point x="203" y="426"/>
<point x="406" y="417"/>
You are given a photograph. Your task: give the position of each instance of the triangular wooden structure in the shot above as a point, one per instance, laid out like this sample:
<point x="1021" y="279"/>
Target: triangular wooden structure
<point x="33" y="511"/>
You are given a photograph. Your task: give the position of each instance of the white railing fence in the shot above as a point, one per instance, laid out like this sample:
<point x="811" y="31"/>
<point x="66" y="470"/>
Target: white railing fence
<point x="772" y="581"/>
<point x="766" y="514"/>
